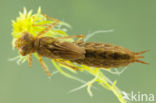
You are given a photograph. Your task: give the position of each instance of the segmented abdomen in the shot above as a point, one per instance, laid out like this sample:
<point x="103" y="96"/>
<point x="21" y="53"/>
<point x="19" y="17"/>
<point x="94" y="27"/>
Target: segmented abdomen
<point x="105" y="55"/>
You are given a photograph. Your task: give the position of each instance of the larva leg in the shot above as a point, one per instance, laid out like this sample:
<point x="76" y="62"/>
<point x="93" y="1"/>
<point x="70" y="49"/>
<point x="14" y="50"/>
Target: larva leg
<point x="66" y="64"/>
<point x="49" y="26"/>
<point x="80" y="37"/>
<point x="50" y="18"/>
<point x="30" y="60"/>
<point x="45" y="68"/>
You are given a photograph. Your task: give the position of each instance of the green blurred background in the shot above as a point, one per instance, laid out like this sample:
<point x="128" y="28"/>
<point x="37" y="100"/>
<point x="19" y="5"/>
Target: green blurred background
<point x="134" y="25"/>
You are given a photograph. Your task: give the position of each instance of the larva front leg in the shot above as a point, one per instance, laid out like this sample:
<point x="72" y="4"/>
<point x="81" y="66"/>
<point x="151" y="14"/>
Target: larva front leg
<point x="30" y="60"/>
<point x="45" y="68"/>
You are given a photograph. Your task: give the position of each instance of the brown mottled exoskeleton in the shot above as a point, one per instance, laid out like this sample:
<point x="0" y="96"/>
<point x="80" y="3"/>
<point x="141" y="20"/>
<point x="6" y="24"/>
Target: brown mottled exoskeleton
<point x="101" y="55"/>
<point x="104" y="55"/>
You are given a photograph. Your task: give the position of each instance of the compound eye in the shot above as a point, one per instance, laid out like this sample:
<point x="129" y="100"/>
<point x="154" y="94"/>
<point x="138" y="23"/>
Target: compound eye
<point x="24" y="48"/>
<point x="22" y="52"/>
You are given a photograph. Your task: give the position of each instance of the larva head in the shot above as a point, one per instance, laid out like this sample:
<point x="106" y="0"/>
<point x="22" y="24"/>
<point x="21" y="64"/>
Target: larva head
<point x="25" y="44"/>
